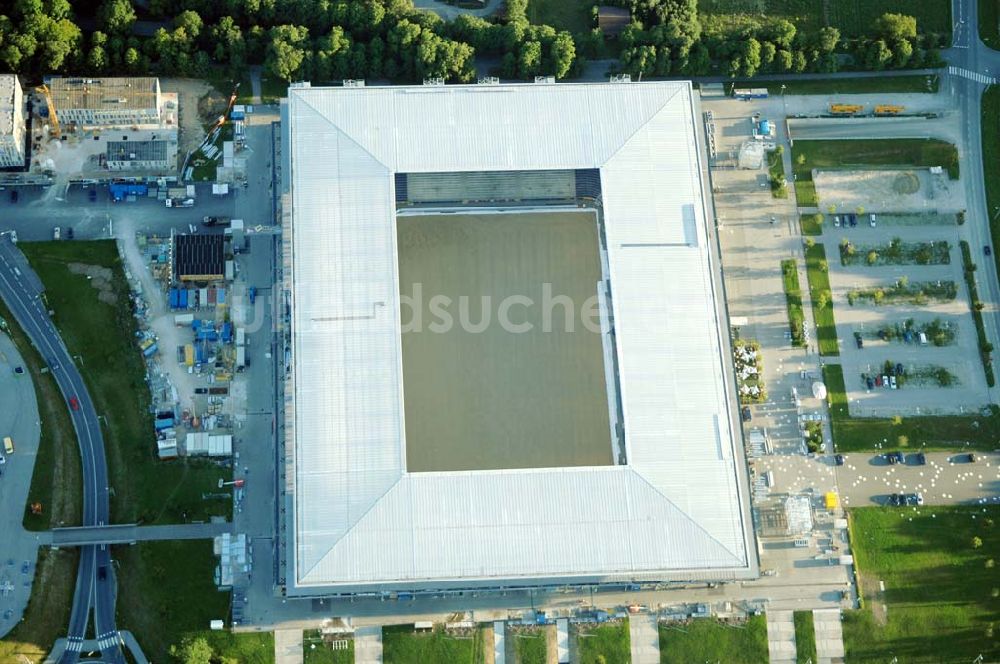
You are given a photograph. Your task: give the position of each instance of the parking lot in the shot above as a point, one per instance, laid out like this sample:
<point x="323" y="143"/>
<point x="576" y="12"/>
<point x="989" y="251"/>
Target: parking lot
<point x="958" y="353"/>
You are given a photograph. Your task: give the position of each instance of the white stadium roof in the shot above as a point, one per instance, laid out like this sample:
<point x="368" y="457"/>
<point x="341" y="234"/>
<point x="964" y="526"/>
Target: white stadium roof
<point x="678" y="509"/>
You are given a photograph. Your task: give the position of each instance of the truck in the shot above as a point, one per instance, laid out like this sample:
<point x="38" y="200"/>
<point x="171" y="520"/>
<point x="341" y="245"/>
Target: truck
<point x="889" y="109"/>
<point x="179" y="202"/>
<point x="845" y="109"/>
<point x="215" y="221"/>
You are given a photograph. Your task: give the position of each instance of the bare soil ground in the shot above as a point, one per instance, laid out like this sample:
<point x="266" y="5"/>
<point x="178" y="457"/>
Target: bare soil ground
<point x="916" y="190"/>
<point x="198" y="103"/>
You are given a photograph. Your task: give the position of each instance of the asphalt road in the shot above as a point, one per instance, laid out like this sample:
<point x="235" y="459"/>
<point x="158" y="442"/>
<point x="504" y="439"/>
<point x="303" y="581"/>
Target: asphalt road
<point x="21" y="290"/>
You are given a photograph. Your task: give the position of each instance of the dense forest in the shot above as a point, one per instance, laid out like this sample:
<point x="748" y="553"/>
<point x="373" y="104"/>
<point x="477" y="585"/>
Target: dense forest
<point x="329" y="40"/>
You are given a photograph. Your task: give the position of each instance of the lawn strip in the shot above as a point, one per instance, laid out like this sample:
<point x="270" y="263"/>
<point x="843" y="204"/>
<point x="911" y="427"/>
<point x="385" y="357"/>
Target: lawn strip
<point x="710" y="640"/>
<point x="805" y="636"/>
<point x="976" y="306"/>
<point x="817" y="270"/>
<point x="793" y="300"/>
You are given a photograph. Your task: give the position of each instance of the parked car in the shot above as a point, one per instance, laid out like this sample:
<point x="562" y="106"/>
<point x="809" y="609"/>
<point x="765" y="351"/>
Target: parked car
<point x="878" y="381"/>
<point x="885" y="381"/>
<point x="971" y="457"/>
<point x="899" y="368"/>
<point x="921" y="459"/>
<point x="56" y="233"/>
<point x="839" y="459"/>
<point x="836" y="220"/>
<point x="870" y="382"/>
<point x="746" y="414"/>
<point x="892" y="382"/>
<point x="899" y="457"/>
<point x="69" y="233"/>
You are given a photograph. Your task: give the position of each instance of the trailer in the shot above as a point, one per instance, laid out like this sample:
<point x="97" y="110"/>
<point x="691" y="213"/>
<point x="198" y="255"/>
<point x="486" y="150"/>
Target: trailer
<point x="889" y="109"/>
<point x="846" y="109"/>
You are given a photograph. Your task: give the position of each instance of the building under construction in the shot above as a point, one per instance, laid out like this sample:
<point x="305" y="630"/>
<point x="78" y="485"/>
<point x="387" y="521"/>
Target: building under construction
<point x="105" y="102"/>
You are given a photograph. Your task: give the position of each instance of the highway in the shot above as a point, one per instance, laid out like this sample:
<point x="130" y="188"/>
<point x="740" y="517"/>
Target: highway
<point x="21" y="290"/>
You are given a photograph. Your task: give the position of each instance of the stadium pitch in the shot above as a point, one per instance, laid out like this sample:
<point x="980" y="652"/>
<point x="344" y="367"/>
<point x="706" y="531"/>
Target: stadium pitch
<point x="482" y="394"/>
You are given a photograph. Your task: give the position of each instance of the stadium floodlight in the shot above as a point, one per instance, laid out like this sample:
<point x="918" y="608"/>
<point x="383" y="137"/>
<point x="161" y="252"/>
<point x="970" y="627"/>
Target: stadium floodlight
<point x="354" y="82"/>
<point x="545" y="79"/>
<point x="621" y="78"/>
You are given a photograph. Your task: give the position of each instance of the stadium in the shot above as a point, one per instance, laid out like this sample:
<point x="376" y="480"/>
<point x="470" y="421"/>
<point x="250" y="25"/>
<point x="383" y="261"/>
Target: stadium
<point x="510" y="358"/>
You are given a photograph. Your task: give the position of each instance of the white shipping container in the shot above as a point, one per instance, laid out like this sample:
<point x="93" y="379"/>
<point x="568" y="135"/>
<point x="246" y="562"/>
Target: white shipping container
<point x="182" y="320"/>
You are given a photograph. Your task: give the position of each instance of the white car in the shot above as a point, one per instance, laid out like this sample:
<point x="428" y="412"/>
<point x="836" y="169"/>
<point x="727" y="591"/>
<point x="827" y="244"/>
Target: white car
<point x="3" y="459"/>
<point x="56" y="233"/>
<point x="836" y="220"/>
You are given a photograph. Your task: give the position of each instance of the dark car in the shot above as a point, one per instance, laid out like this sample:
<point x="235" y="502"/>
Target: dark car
<point x="102" y="572"/>
<point x="895" y="499"/>
<point x="870" y="382"/>
<point x="746" y="414"/>
<point x="971" y="458"/>
<point x="839" y="459"/>
<point x="19" y="370"/>
<point x="899" y="457"/>
<point x="858" y="340"/>
<point x="899" y="368"/>
<point x="921" y="459"/>
<point x="987" y="250"/>
<point x="69" y="233"/>
<point x="13" y="195"/>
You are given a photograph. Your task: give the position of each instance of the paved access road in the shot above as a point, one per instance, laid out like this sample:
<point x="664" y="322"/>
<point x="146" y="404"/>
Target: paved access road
<point x="21" y="290"/>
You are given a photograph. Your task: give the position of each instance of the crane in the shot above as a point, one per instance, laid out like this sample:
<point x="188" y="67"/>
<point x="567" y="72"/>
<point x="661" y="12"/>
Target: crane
<point x="43" y="90"/>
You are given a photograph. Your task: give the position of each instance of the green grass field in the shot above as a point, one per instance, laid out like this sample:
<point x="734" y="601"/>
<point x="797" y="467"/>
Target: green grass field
<point x="401" y="645"/>
<point x="851" y="17"/>
<point x="938" y="432"/>
<point x="812" y="224"/>
<point x="805" y="636"/>
<point x="793" y="300"/>
<point x="605" y="644"/>
<point x="571" y="15"/>
<point x="146" y="490"/>
<point x="939" y="590"/>
<point x="496" y="398"/>
<point x="991" y="159"/>
<point x="529" y="648"/>
<point x="843" y="86"/>
<point x="989" y="23"/>
<point x="708" y="640"/>
<point x="817" y="271"/>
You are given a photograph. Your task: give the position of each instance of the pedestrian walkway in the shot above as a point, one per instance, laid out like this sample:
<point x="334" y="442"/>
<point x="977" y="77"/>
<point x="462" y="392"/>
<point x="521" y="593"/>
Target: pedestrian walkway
<point x="288" y="646"/>
<point x="781" y="637"/>
<point x="645" y="638"/>
<point x="829" y="636"/>
<point x="499" y="645"/>
<point x="972" y="75"/>
<point x="368" y="645"/>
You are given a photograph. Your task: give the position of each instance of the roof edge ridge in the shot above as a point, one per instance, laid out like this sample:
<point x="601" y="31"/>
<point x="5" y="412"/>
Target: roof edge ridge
<point x="340" y="130"/>
<point x="642" y="126"/>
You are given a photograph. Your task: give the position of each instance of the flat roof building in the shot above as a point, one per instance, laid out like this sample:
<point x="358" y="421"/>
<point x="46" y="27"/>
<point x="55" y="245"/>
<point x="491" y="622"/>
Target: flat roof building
<point x="106" y="102"/>
<point x="12" y="122"/>
<point x="373" y="170"/>
<point x="137" y="155"/>
<point x="198" y="258"/>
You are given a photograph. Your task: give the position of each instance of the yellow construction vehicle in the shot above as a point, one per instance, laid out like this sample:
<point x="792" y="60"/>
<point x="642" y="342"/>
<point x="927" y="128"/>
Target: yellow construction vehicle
<point x="889" y="109"/>
<point x="845" y="109"/>
<point x="55" y="131"/>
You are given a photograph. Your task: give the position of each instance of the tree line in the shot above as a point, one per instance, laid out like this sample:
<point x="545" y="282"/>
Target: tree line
<point x="665" y="38"/>
<point x="330" y="40"/>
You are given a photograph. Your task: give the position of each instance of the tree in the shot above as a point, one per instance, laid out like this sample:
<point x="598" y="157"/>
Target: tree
<point x="798" y="61"/>
<point x="902" y="53"/>
<point x="197" y="651"/>
<point x="783" y="60"/>
<point x="782" y="33"/>
<point x="828" y="39"/>
<point x="131" y="59"/>
<point x="877" y="55"/>
<point x="750" y="55"/>
<point x="286" y="51"/>
<point x="896" y="26"/>
<point x="190" y="22"/>
<point x="117" y="16"/>
<point x="563" y="54"/>
<point x="529" y="60"/>
<point x="767" y="53"/>
<point x="97" y="59"/>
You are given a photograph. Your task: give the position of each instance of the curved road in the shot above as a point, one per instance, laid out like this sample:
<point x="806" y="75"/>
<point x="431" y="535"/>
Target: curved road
<point x="21" y="289"/>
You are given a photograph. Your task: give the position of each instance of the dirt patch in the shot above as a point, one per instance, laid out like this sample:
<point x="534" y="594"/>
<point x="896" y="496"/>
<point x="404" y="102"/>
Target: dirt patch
<point x="191" y="124"/>
<point x="100" y="280"/>
<point x="874" y="597"/>
<point x="893" y="190"/>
